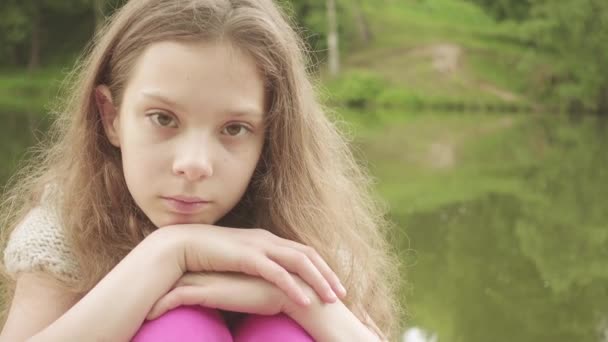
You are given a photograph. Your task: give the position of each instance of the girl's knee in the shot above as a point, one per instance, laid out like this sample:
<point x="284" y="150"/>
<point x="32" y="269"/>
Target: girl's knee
<point x="185" y="324"/>
<point x="277" y="328"/>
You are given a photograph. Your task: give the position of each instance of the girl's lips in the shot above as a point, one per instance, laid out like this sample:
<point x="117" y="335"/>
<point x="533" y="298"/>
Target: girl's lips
<point x="181" y="206"/>
<point x="187" y="199"/>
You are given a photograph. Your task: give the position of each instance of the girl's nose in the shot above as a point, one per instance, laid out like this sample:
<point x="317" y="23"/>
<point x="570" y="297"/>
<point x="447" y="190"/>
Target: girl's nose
<point x="193" y="162"/>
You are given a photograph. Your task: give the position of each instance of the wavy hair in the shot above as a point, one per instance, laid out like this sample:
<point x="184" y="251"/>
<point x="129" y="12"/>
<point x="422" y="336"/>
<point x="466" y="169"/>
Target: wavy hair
<point x="307" y="187"/>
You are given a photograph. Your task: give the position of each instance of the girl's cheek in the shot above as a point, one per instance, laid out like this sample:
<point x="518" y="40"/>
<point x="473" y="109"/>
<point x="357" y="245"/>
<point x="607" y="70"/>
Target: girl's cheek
<point x="143" y="130"/>
<point x="149" y="136"/>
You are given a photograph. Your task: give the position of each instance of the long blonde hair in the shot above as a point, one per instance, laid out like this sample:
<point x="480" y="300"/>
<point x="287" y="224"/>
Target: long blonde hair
<point x="307" y="187"/>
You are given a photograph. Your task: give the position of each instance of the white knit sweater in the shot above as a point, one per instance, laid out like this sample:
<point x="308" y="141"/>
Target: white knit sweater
<point x="38" y="244"/>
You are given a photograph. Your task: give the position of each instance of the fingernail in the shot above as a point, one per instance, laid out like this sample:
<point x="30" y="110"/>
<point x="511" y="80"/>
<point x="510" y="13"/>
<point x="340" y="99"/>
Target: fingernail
<point x="342" y="289"/>
<point x="305" y="300"/>
<point x="331" y="295"/>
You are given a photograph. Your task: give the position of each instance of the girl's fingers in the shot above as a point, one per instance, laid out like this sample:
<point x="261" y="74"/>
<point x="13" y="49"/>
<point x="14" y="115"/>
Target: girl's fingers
<point x="277" y="275"/>
<point x="225" y="291"/>
<point x="299" y="263"/>
<point x="321" y="265"/>
<point x="182" y="295"/>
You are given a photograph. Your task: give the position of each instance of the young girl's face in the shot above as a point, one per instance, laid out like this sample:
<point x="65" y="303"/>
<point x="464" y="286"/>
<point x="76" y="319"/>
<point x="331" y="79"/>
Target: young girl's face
<point x="190" y="130"/>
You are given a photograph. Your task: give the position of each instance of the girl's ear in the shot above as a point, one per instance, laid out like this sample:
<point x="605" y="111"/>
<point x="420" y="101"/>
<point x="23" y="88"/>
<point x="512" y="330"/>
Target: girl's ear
<point x="108" y="113"/>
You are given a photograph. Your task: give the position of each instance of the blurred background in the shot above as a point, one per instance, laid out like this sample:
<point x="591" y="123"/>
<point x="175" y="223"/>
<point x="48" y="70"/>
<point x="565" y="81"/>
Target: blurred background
<point x="484" y="122"/>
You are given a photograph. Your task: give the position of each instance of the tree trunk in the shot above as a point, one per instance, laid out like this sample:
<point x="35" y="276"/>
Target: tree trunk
<point x="332" y="39"/>
<point x="35" y="41"/>
<point x="364" y="32"/>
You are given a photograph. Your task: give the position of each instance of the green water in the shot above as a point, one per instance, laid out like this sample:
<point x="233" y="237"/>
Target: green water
<point x="526" y="259"/>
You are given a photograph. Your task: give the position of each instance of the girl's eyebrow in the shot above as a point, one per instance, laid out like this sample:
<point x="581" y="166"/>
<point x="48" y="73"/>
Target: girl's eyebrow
<point x="252" y="111"/>
<point x="152" y="94"/>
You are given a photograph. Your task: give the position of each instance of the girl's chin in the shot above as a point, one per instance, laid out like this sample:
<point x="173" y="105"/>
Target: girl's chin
<point x="172" y="220"/>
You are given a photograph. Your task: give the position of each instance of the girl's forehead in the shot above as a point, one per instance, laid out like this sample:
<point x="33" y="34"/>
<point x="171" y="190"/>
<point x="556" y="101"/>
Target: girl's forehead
<point x="195" y="74"/>
<point x="199" y="61"/>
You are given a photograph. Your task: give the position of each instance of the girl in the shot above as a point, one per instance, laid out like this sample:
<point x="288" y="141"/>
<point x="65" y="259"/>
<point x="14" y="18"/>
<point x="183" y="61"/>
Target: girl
<point x="191" y="167"/>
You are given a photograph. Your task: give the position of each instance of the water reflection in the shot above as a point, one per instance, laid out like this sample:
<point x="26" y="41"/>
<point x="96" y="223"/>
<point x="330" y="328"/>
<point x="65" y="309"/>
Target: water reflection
<point x="415" y="334"/>
<point x="526" y="265"/>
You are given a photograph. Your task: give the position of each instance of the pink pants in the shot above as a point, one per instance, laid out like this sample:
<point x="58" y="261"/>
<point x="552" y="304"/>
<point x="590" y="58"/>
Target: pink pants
<point x="194" y="323"/>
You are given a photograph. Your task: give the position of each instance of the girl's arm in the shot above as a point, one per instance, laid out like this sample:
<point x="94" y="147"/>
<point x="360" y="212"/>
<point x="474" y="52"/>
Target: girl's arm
<point x="38" y="301"/>
<point x="112" y="311"/>
<point x="332" y="322"/>
<point x="115" y="308"/>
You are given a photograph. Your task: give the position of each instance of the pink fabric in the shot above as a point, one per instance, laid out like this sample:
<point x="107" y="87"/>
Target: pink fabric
<point x="195" y="323"/>
<point x="277" y="328"/>
<point x="185" y="324"/>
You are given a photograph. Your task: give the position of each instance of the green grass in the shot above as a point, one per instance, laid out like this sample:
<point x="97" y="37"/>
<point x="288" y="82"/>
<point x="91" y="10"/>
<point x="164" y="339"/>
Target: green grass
<point x="23" y="92"/>
<point x="405" y="32"/>
<point x="492" y="56"/>
<point x="425" y="21"/>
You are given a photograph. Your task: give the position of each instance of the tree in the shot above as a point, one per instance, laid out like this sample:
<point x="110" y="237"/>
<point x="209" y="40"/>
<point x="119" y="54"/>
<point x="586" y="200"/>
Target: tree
<point x="365" y="34"/>
<point x="332" y="39"/>
<point x="576" y="33"/>
<point x="506" y="9"/>
<point x="13" y="30"/>
<point x="327" y="22"/>
<point x="30" y="29"/>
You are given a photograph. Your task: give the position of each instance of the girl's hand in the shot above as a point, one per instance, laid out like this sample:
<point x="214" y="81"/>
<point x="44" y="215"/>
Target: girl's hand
<point x="238" y="292"/>
<point x="257" y="252"/>
<point x="228" y="291"/>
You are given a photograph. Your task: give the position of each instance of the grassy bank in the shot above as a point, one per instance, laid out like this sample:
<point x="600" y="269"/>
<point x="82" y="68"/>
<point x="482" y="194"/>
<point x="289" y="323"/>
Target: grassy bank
<point x="423" y="52"/>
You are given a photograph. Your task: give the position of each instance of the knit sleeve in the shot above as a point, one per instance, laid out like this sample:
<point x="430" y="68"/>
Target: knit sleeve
<point x="39" y="244"/>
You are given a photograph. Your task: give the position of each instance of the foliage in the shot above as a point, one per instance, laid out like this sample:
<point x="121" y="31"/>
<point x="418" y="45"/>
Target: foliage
<point x="31" y="93"/>
<point x="357" y="89"/>
<point x="52" y="23"/>
<point x="506" y="9"/>
<point x="311" y="18"/>
<point x="57" y="19"/>
<point x="575" y="32"/>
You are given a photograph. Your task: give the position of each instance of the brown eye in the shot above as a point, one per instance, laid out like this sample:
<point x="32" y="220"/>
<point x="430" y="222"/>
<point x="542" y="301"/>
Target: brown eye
<point x="163" y="120"/>
<point x="235" y="130"/>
